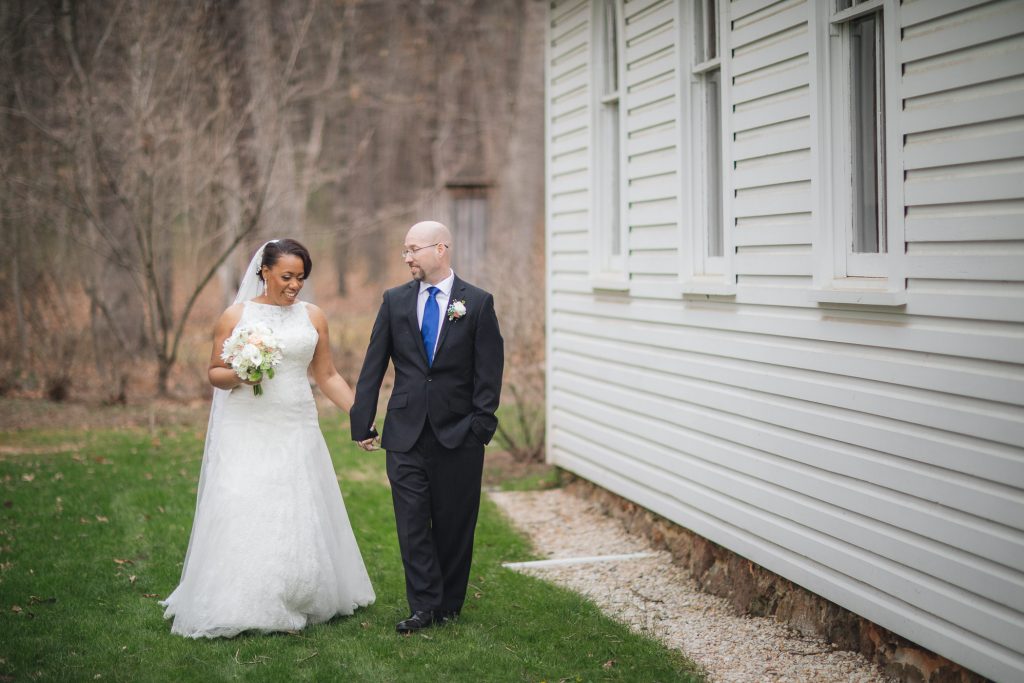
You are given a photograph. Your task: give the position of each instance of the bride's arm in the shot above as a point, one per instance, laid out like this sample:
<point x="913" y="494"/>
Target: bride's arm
<point x="326" y="376"/>
<point x="221" y="375"/>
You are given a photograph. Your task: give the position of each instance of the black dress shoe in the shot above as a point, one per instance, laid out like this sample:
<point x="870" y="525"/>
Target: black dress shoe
<point x="416" y="622"/>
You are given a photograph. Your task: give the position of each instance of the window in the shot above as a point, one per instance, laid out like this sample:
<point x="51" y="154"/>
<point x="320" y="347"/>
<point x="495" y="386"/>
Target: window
<point x="867" y="128"/>
<point x="862" y="214"/>
<point x="609" y="249"/>
<point x="706" y="268"/>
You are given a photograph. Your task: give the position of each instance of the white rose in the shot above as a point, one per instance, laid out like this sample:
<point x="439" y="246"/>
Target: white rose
<point x="251" y="355"/>
<point x="459" y="308"/>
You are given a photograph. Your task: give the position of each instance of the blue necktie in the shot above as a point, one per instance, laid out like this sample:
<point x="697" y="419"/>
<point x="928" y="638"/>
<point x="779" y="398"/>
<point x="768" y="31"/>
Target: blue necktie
<point x="428" y="331"/>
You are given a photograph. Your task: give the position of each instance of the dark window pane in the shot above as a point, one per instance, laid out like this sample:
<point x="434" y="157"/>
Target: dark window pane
<point x="866" y="120"/>
<point x="712" y="29"/>
<point x="609" y="126"/>
<point x="611" y="47"/>
<point x="612" y="179"/>
<point x="698" y="32"/>
<point x="714" y="164"/>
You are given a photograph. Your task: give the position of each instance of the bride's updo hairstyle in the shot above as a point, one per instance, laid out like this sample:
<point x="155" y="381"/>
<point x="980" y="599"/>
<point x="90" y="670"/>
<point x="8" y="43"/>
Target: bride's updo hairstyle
<point x="273" y="252"/>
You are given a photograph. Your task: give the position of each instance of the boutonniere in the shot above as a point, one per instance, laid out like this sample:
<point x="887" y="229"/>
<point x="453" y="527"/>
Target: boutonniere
<point x="456" y="310"/>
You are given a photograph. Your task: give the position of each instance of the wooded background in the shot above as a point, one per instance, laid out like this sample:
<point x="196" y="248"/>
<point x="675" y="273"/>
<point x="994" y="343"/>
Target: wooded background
<point x="150" y="147"/>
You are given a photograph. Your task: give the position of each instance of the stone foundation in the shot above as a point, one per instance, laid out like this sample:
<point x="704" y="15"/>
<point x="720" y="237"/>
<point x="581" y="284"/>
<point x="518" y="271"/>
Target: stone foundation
<point x="752" y="589"/>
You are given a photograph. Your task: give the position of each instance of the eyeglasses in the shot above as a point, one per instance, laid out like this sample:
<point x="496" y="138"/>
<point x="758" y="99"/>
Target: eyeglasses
<point x="406" y="253"/>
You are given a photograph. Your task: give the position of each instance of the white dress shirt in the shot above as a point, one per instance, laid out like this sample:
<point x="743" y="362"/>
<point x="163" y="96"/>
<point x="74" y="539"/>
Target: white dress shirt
<point x="442" y="298"/>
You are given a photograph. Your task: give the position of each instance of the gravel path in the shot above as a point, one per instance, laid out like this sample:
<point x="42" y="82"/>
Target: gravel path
<point x="656" y="597"/>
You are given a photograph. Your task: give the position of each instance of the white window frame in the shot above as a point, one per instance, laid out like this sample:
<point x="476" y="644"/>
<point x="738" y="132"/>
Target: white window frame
<point x="608" y="270"/>
<point x="840" y="275"/>
<point x="700" y="272"/>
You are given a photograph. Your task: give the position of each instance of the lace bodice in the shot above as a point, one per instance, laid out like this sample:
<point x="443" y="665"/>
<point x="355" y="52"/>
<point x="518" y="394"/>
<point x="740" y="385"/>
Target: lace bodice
<point x="288" y="393"/>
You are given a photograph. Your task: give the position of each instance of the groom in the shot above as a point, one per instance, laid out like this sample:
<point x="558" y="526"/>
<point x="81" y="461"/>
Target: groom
<point x="442" y="336"/>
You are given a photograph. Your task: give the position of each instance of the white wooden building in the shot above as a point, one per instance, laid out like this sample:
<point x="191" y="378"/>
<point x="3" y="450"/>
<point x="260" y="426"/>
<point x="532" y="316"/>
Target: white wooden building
<point x="785" y="294"/>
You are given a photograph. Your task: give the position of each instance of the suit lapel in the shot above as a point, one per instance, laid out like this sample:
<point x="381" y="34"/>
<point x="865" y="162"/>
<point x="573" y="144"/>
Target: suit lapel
<point x="410" y="307"/>
<point x="458" y="287"/>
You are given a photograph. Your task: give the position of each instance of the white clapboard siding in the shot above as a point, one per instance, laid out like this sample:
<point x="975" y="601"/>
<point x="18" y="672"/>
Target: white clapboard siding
<point x="964" y="156"/>
<point x="872" y="454"/>
<point x="771" y="149"/>
<point x="869" y="515"/>
<point x="568" y="132"/>
<point x="651" y="109"/>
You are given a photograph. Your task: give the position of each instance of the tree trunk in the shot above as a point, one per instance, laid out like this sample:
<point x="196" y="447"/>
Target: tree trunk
<point x="163" y="377"/>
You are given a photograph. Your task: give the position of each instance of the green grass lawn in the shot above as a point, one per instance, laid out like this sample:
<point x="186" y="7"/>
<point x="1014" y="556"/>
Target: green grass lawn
<point x="95" y="525"/>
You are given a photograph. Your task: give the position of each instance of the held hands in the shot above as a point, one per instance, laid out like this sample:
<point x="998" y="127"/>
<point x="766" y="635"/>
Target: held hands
<point x="371" y="444"/>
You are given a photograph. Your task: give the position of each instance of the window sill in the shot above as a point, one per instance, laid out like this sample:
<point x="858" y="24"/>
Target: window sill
<point x="861" y="297"/>
<point x="610" y="283"/>
<point x="709" y="287"/>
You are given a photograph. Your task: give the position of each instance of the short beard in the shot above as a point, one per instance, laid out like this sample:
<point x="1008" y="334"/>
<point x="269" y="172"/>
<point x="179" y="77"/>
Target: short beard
<point x="418" y="275"/>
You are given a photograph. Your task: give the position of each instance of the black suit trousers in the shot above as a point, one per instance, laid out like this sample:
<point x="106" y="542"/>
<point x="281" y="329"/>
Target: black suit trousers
<point x="436" y="495"/>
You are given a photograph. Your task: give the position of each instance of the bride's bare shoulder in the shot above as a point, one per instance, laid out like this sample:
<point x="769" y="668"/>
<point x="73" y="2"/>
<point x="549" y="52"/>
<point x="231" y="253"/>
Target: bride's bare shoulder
<point x="230" y="317"/>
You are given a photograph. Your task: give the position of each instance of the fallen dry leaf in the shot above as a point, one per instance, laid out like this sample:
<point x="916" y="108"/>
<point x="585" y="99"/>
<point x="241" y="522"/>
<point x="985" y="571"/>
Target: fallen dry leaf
<point x="120" y="561"/>
<point x="609" y="664"/>
<point x="28" y="477"/>
<point x="151" y="595"/>
<point x="16" y="609"/>
<point x="101" y="519"/>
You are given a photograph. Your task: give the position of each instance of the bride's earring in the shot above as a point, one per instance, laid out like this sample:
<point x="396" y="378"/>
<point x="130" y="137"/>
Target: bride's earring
<point x="264" y="288"/>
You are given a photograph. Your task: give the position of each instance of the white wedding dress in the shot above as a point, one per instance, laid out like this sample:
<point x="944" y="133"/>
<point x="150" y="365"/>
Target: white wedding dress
<point x="272" y="548"/>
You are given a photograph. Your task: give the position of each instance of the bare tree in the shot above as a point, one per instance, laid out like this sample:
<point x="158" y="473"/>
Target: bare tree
<point x="165" y="168"/>
<point x="144" y="142"/>
<point x="144" y="159"/>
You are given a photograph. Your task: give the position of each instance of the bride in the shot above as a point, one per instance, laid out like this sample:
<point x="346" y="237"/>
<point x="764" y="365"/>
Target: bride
<point x="271" y="546"/>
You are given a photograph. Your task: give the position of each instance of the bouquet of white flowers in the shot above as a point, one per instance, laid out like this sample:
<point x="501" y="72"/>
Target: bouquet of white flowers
<point x="252" y="352"/>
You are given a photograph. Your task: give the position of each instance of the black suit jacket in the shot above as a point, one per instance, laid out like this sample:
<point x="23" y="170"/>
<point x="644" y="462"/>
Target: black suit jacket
<point x="459" y="394"/>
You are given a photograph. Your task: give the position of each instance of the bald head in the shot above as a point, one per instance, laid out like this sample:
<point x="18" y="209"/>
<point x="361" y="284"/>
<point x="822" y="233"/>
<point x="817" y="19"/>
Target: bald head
<point x="428" y="232"/>
<point x="426" y="248"/>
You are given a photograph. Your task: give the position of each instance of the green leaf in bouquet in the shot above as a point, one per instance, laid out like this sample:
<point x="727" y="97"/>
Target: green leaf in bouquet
<point x="270" y="373"/>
